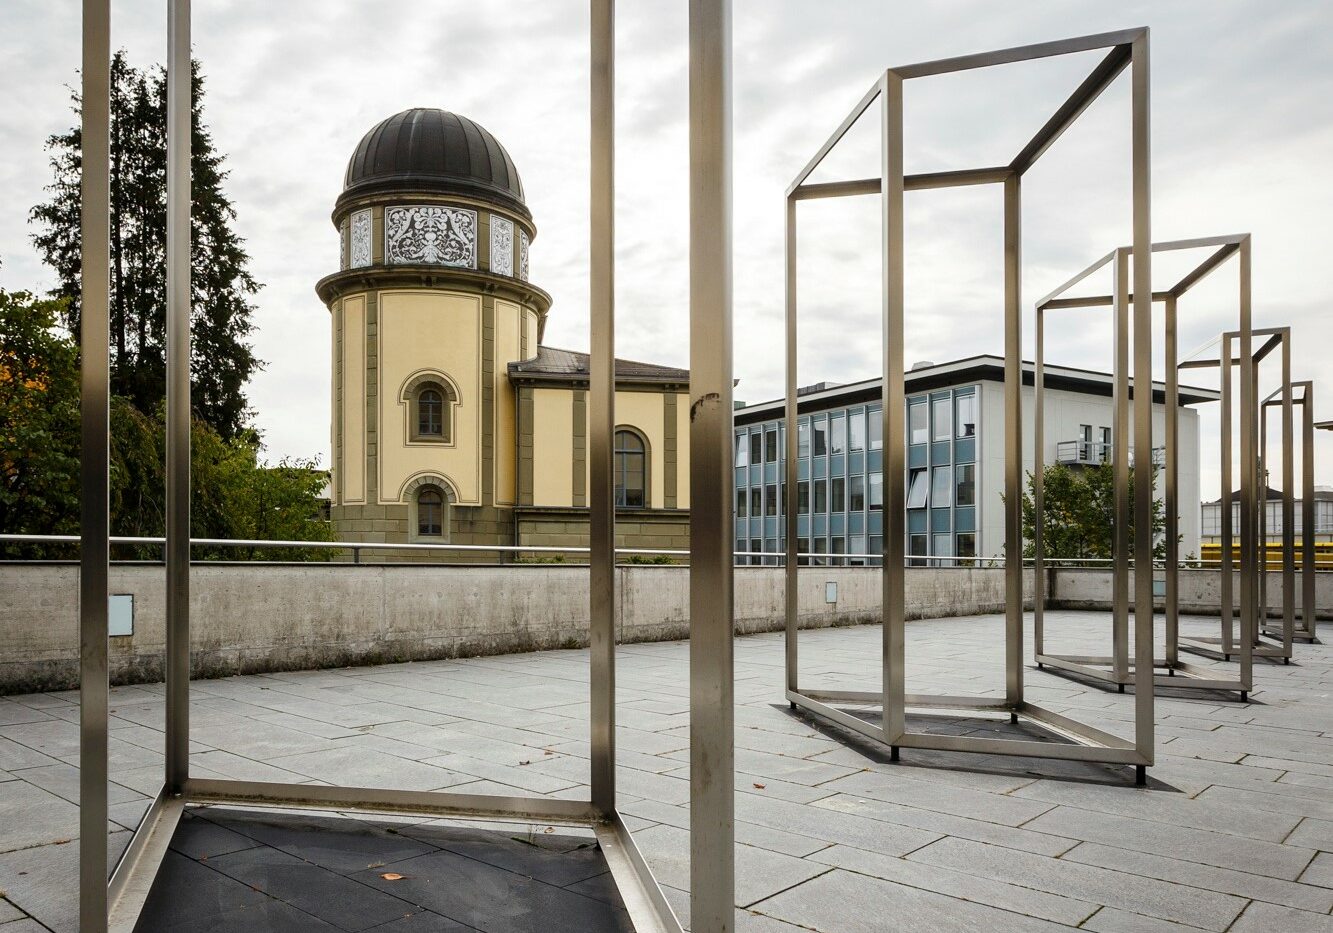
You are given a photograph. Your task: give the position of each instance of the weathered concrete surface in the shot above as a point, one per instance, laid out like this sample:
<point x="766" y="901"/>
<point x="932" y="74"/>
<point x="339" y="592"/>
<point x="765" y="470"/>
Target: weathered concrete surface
<point x="249" y="618"/>
<point x="1200" y="591"/>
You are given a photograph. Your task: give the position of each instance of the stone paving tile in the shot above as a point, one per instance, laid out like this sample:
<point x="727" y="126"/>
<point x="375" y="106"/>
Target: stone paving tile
<point x="1305" y="896"/>
<point x="23" y="925"/>
<point x="1320" y="871"/>
<point x="1220" y="849"/>
<point x="1237" y="815"/>
<point x="9" y="912"/>
<point x="846" y="902"/>
<point x="1011" y="897"/>
<point x="1269" y="918"/>
<point x="1163" y="900"/>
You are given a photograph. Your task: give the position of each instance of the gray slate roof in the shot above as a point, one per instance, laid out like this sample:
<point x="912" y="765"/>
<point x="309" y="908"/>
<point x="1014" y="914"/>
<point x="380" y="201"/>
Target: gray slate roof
<point x="555" y="365"/>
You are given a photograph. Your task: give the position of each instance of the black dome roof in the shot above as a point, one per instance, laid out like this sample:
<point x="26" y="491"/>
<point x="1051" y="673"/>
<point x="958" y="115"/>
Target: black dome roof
<point x="425" y="149"/>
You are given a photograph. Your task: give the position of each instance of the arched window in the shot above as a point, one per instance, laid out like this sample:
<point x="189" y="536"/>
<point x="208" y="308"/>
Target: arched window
<point x="430" y="512"/>
<point x="631" y="470"/>
<point x="430" y="413"/>
<point x="430" y="402"/>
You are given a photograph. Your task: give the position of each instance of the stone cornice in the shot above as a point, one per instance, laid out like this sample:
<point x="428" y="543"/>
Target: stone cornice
<point x="369" y="278"/>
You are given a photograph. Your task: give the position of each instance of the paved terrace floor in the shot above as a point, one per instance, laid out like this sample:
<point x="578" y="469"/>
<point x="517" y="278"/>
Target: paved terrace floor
<point x="1234" y="833"/>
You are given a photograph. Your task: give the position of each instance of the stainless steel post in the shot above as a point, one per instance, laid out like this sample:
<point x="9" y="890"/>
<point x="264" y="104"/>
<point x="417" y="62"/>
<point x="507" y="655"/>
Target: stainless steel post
<point x="179" y="118"/>
<point x="792" y="573"/>
<point x="712" y="687"/>
<point x="1309" y="614"/>
<point x="1171" y="500"/>
<point x="94" y="424"/>
<point x="1226" y="568"/>
<point x="1143" y="466"/>
<point x="1288" y="502"/>
<point x="1121" y="542"/>
<point x="1249" y="468"/>
<point x="1039" y="488"/>
<point x="602" y="410"/>
<point x="1013" y="441"/>
<point x="893" y="685"/>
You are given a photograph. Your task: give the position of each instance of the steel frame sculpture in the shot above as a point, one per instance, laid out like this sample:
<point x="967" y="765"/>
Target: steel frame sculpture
<point x="1118" y="668"/>
<point x="1252" y="565"/>
<point x="1280" y="399"/>
<point x="116" y="905"/>
<point x="1125" y="49"/>
<point x="1309" y="630"/>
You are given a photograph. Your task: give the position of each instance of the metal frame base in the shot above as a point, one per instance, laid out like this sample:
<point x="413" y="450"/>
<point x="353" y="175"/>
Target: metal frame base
<point x="1088" y="743"/>
<point x="1213" y="646"/>
<point x="1178" y="674"/>
<point x="133" y="879"/>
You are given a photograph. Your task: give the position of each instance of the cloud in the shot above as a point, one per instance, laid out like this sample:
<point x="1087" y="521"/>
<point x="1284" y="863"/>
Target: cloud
<point x="1242" y="135"/>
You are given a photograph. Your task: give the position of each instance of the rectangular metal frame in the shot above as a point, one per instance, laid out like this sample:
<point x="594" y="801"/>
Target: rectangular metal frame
<point x="1252" y="567"/>
<point x="1284" y="398"/>
<point x="116" y="905"/>
<point x="1124" y="49"/>
<point x="1118" y="668"/>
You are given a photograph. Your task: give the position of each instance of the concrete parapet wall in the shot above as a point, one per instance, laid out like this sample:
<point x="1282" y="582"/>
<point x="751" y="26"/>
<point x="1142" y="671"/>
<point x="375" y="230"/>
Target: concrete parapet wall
<point x="1200" y="591"/>
<point x="259" y="617"/>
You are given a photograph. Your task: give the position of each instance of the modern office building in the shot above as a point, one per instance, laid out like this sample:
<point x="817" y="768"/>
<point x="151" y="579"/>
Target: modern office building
<point x="955" y="460"/>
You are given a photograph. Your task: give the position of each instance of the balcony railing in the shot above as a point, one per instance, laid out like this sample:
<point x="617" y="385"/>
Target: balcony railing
<point x="1093" y="452"/>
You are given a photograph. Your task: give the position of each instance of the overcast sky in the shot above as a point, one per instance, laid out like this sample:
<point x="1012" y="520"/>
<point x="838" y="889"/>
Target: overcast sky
<point x="1242" y="97"/>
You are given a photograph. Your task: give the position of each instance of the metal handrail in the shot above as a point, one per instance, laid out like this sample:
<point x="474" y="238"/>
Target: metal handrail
<point x="357" y="546"/>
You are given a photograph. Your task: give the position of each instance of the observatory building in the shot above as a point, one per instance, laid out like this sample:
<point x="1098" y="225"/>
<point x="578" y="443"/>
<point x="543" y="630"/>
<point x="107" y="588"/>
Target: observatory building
<point x="452" y="421"/>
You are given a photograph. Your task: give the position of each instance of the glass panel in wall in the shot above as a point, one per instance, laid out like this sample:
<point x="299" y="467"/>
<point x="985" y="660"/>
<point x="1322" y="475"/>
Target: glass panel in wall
<point x="967" y="548"/>
<point x="856" y="493"/>
<point x="821" y="496"/>
<point x="943" y="418"/>
<point x="943" y="545"/>
<point x="821" y="547"/>
<point x="917" y="490"/>
<point x="1104" y="454"/>
<point x="756" y="502"/>
<point x="802" y="552"/>
<point x="742" y="499"/>
<point x="965" y="475"/>
<point x="770" y="545"/>
<point x="918" y="427"/>
<point x="916" y="549"/>
<point x="858" y="546"/>
<point x="803" y="438"/>
<point x="856" y="430"/>
<point x="742" y="450"/>
<point x="771" y="495"/>
<point x="820" y="429"/>
<point x="967" y="415"/>
<point x="803" y="498"/>
<point x="837" y="434"/>
<point x="837" y="493"/>
<point x="876" y="492"/>
<point x="756" y="546"/>
<point x="876" y="550"/>
<point x="839" y="547"/>
<point x="941" y="491"/>
<point x="875" y="424"/>
<point x="756" y="447"/>
<point x="771" y="445"/>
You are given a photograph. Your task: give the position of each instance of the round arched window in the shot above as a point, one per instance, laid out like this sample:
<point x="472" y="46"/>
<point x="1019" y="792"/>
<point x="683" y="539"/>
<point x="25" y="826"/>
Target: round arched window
<point x="631" y="469"/>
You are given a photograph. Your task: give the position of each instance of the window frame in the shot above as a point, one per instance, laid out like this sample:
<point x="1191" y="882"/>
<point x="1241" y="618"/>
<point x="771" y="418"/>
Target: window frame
<point x="619" y="471"/>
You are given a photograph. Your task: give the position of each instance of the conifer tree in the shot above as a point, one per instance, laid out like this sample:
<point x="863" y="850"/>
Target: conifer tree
<point x="222" y="286"/>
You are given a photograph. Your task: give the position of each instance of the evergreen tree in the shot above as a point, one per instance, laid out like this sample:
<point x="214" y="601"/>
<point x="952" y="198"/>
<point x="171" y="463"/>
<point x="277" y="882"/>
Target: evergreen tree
<point x="222" y="358"/>
<point x="1079" y="518"/>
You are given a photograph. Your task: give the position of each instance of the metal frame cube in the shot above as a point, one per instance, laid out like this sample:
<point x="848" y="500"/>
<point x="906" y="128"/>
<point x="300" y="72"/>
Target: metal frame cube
<point x="1124" y="49"/>
<point x="1118" y="669"/>
<point x="116" y="905"/>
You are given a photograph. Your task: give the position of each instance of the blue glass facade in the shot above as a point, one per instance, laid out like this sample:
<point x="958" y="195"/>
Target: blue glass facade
<point x="840" y="493"/>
